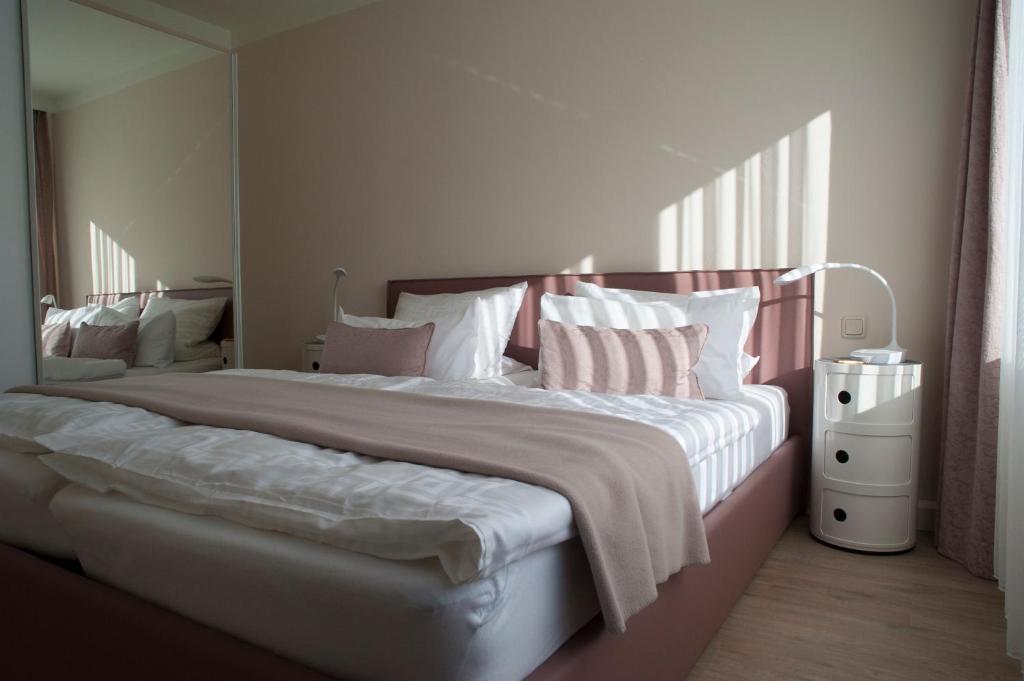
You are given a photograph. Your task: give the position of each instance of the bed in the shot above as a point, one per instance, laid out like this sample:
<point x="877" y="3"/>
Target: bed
<point x="165" y="552"/>
<point x="225" y="328"/>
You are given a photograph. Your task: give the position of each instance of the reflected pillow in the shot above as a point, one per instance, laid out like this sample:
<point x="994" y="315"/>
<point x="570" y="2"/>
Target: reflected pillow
<point x="195" y="320"/>
<point x="155" y="346"/>
<point x="127" y="308"/>
<point x="381" y="351"/>
<point x="56" y="339"/>
<point x="107" y="342"/>
<point x="622" y="361"/>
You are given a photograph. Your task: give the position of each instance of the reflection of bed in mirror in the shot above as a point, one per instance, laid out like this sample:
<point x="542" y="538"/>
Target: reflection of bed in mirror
<point x="223" y="330"/>
<point x="64" y="369"/>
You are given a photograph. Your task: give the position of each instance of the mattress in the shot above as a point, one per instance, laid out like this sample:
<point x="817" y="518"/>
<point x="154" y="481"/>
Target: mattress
<point x="26" y="489"/>
<point x="195" y="366"/>
<point x="347" y="613"/>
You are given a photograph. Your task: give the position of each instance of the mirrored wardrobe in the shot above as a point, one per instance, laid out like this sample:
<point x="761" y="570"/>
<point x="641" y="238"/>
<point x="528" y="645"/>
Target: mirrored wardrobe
<point x="131" y="138"/>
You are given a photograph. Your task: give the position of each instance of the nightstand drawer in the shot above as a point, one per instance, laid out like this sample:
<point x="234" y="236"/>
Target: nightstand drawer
<point x="311" y="357"/>
<point x="884" y="399"/>
<point x="871" y="522"/>
<point x="868" y="459"/>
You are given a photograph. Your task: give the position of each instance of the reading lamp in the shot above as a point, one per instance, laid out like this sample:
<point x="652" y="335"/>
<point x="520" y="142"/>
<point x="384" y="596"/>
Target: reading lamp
<point x="891" y="353"/>
<point x="339" y="274"/>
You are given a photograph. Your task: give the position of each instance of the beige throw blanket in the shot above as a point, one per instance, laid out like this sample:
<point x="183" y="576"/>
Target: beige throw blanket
<point x="629" y="484"/>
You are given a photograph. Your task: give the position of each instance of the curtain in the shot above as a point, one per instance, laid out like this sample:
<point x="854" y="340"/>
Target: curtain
<point x="967" y="463"/>
<point x="1009" y="540"/>
<point x="46" y="206"/>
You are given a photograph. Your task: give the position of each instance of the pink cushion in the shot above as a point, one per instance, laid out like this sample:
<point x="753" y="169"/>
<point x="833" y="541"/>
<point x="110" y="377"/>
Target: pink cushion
<point x="621" y="361"/>
<point x="107" y="342"/>
<point x="385" y="352"/>
<point x="56" y="339"/>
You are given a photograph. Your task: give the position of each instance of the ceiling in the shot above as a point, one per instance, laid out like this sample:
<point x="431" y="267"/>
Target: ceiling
<point x="251" y="20"/>
<point x="78" y="53"/>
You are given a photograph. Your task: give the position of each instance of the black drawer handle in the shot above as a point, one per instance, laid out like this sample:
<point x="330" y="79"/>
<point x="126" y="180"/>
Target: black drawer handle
<point x="839" y="514"/>
<point x="842" y="456"/>
<point x="316" y="366"/>
<point x="844" y="397"/>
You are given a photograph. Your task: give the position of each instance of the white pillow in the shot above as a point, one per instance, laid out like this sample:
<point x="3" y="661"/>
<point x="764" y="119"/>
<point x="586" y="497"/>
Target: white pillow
<point x="155" y="344"/>
<point x="96" y="315"/>
<point x="452" y="353"/>
<point x="128" y="306"/>
<point x="743" y="301"/>
<point x="195" y="320"/>
<point x="718" y="369"/>
<point x="513" y="366"/>
<point x="496" y="318"/>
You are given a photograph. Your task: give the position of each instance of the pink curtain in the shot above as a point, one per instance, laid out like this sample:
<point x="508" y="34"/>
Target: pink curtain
<point x="967" y="478"/>
<point x="46" y="206"/>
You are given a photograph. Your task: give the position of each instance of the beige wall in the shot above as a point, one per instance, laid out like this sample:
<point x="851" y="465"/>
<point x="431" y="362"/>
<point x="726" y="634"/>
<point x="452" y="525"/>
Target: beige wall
<point x="143" y="182"/>
<point x="469" y="137"/>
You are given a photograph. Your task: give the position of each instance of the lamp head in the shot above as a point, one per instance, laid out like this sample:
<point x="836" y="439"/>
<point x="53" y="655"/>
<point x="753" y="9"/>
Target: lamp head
<point x="804" y="270"/>
<point x="340" y="272"/>
<point x="48" y="299"/>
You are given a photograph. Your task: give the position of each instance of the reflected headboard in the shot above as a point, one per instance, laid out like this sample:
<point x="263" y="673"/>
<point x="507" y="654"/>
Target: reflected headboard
<point x="783" y="335"/>
<point x="226" y="328"/>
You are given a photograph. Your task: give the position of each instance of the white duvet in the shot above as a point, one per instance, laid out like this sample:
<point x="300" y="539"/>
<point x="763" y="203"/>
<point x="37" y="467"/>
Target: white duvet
<point x="473" y="524"/>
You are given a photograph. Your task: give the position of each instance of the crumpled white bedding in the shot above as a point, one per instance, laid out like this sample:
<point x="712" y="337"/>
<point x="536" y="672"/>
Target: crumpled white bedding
<point x="473" y="524"/>
<point x="68" y="369"/>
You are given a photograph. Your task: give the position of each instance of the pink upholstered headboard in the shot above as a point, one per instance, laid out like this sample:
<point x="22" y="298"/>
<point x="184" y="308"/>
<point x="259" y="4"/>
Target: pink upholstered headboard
<point x="226" y="328"/>
<point x="782" y="335"/>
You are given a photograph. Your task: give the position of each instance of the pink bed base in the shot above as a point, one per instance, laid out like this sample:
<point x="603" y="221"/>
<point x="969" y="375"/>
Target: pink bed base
<point x="56" y="624"/>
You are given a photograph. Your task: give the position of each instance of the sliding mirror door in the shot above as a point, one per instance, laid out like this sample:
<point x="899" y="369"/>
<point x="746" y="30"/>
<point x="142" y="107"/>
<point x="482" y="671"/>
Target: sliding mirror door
<point x="132" y="139"/>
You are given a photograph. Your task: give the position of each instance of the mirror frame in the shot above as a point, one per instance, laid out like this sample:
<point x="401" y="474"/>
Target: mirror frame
<point x="30" y="155"/>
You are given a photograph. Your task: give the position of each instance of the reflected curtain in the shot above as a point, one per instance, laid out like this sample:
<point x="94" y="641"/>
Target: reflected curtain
<point x="967" y="478"/>
<point x="46" y="205"/>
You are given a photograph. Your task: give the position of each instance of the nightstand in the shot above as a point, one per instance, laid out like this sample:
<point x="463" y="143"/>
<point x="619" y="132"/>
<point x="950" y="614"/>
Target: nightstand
<point x="864" y="458"/>
<point x="311" y="351"/>
<point x="227" y="353"/>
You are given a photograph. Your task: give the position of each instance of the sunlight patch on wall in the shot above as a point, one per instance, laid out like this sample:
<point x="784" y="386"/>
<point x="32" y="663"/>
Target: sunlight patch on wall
<point x="769" y="211"/>
<point x="113" y="268"/>
<point x="583" y="266"/>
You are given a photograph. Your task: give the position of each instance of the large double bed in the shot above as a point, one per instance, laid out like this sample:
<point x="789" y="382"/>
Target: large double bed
<point x="239" y="600"/>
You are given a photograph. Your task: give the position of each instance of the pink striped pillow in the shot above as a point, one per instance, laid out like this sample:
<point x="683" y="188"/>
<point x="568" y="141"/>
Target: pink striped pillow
<point x="621" y="361"/>
<point x="385" y="352"/>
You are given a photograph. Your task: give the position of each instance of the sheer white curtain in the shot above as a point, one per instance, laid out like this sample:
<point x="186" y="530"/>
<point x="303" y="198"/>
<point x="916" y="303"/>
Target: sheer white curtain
<point x="1009" y="541"/>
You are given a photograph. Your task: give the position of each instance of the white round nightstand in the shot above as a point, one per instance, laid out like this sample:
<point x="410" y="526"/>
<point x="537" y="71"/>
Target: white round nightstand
<point x="311" y="351"/>
<point x="864" y="457"/>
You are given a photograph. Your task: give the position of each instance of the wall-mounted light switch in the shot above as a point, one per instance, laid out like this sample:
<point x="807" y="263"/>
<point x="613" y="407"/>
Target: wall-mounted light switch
<point x="853" y="327"/>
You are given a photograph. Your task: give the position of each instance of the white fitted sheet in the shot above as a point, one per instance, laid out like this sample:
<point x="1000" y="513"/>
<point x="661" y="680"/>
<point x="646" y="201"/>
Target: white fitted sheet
<point x="26" y="489"/>
<point x="358" y="616"/>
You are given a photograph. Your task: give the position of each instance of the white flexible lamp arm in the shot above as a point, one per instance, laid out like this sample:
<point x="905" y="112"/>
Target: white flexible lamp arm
<point x="807" y="270"/>
<point x="339" y="274"/>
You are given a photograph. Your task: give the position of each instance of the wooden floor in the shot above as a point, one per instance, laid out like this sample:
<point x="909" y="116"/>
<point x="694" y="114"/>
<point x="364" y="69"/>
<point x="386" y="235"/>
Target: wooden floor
<point x="814" y="612"/>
